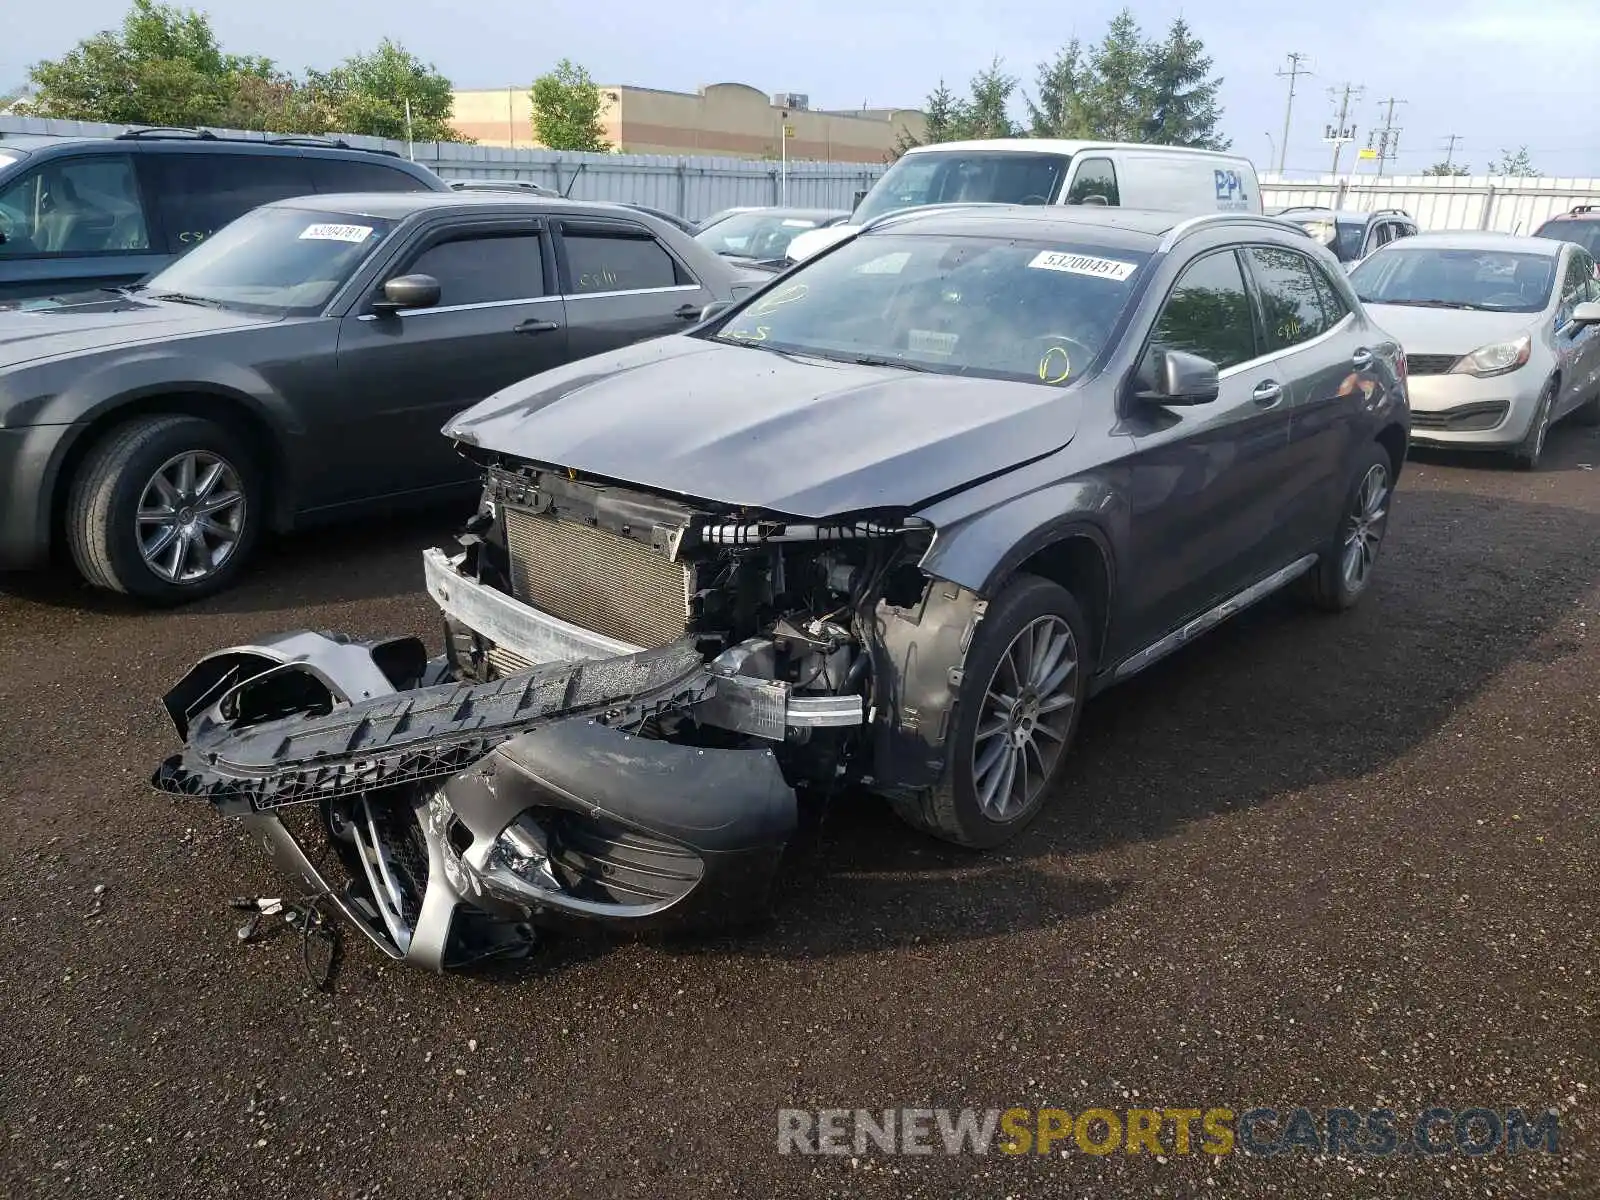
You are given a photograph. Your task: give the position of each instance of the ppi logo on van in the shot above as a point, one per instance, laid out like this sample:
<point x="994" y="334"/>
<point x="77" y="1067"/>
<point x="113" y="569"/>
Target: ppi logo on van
<point x="1230" y="190"/>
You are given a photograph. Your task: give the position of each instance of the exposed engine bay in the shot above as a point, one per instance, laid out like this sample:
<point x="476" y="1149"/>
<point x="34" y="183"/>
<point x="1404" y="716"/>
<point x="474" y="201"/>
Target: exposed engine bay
<point x="637" y="693"/>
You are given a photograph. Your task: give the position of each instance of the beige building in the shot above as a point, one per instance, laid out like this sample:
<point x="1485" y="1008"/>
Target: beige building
<point x="724" y="119"/>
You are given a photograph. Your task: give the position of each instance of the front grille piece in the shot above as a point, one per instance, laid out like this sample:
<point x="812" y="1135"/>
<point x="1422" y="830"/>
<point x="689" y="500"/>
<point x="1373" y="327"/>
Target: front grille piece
<point x="597" y="580"/>
<point x="1431" y="364"/>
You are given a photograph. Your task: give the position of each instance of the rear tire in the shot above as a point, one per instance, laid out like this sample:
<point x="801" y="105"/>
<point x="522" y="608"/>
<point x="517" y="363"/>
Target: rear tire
<point x="164" y="508"/>
<point x="1032" y="650"/>
<point x="1346" y="563"/>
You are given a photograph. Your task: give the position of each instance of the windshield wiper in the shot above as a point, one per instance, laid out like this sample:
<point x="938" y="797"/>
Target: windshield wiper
<point x="1429" y="304"/>
<point x="186" y="298"/>
<point x="877" y="360"/>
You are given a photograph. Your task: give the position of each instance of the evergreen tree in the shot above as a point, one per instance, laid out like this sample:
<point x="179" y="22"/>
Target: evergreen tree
<point x="1059" y="112"/>
<point x="1181" y="94"/>
<point x="1116" y="97"/>
<point x="940" y="125"/>
<point x="985" y="113"/>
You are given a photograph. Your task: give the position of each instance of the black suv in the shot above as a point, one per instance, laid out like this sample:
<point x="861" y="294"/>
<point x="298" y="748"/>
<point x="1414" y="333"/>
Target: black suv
<point x="299" y="364"/>
<point x="1351" y="236"/>
<point x="1581" y="225"/>
<point x="78" y="213"/>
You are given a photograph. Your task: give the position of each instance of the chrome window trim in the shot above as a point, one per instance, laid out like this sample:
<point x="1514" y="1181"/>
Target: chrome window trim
<point x="1325" y="335"/>
<point x="676" y="287"/>
<point x="449" y="308"/>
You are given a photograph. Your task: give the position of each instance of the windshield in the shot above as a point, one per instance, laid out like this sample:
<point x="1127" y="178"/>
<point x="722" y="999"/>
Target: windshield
<point x="1492" y="280"/>
<point x="1028" y="311"/>
<point x="759" y="235"/>
<point x="287" y="261"/>
<point x="1585" y="233"/>
<point x="959" y="176"/>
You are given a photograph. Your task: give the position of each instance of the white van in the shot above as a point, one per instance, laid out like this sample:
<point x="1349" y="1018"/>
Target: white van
<point x="1047" y="171"/>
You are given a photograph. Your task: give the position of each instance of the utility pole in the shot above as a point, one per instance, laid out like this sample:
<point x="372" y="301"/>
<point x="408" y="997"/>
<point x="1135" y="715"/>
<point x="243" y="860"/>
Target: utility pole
<point x="1389" y="136"/>
<point x="1450" y="150"/>
<point x="1293" y="73"/>
<point x="1343" y="131"/>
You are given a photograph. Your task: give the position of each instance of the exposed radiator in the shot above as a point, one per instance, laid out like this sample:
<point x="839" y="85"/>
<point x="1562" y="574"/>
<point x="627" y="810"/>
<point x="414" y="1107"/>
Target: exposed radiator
<point x="597" y="580"/>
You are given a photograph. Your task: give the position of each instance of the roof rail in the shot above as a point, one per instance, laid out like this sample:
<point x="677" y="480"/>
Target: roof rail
<point x="1307" y="208"/>
<point x="1585" y="208"/>
<point x="306" y="139"/>
<point x="182" y="132"/>
<point x="1390" y="212"/>
<point x="165" y="131"/>
<point x="1187" y="226"/>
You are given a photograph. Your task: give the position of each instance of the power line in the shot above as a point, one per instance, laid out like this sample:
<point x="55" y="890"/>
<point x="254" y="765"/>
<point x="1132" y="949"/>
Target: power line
<point x="1342" y="132"/>
<point x="1389" y="135"/>
<point x="1293" y="73"/>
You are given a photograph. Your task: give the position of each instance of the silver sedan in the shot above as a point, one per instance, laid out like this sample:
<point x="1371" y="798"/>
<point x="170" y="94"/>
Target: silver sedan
<point x="1501" y="334"/>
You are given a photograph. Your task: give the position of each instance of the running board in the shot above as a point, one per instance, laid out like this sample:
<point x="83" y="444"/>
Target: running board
<point x="1185" y="634"/>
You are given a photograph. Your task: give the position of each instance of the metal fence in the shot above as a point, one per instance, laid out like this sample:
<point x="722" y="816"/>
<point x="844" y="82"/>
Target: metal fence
<point x="1506" y="205"/>
<point x="698" y="187"/>
<point x="690" y="187"/>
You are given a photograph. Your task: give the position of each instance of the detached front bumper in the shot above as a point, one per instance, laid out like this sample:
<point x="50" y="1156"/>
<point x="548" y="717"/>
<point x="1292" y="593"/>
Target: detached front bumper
<point x="465" y="813"/>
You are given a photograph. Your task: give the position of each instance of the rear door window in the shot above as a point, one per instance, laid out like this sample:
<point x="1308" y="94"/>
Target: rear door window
<point x="198" y="194"/>
<point x="1290" y="300"/>
<point x="1208" y="313"/>
<point x="484" y="270"/>
<point x="73" y="206"/>
<point x="618" y="260"/>
<point x="345" y="175"/>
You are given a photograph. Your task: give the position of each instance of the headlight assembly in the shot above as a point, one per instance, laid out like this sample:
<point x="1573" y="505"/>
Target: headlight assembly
<point x="1497" y="358"/>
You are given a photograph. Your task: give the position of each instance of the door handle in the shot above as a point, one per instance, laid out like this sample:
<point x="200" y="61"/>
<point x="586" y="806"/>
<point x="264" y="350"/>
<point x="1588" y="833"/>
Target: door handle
<point x="1267" y="394"/>
<point x="1361" y="359"/>
<point x="688" y="312"/>
<point x="533" y="325"/>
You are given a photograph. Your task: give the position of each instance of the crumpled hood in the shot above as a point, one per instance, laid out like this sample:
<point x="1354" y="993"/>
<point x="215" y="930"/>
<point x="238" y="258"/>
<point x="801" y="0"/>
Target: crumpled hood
<point x="90" y="321"/>
<point x="1448" y="330"/>
<point x="801" y="437"/>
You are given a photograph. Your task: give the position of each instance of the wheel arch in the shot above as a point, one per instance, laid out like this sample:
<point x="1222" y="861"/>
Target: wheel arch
<point x="1077" y="556"/>
<point x="231" y="410"/>
<point x="1395" y="441"/>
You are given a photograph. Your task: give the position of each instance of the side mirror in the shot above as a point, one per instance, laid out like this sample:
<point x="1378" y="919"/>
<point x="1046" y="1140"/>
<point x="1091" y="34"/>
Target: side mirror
<point x="407" y="291"/>
<point x="1181" y="378"/>
<point x="715" y="309"/>
<point x="1587" y="313"/>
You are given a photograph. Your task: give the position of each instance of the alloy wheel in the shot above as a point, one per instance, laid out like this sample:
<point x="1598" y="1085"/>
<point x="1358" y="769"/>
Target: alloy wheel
<point x="1025" y="719"/>
<point x="1364" y="527"/>
<point x="191" y="516"/>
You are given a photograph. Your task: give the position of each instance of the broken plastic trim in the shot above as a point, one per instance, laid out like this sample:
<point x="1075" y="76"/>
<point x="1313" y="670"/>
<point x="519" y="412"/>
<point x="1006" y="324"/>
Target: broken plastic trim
<point x="409" y="736"/>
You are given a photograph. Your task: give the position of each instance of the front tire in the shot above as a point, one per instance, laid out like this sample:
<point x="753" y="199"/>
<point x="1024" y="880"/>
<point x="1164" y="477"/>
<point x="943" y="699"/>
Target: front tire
<point x="1345" y="565"/>
<point x="165" y="508"/>
<point x="1526" y="456"/>
<point x="1023" y="687"/>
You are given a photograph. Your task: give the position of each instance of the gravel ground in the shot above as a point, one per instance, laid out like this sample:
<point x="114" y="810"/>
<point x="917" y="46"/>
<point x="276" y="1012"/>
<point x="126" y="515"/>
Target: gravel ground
<point x="1312" y="861"/>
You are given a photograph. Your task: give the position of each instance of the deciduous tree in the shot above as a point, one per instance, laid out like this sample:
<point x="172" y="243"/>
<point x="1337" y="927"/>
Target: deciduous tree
<point x="566" y="109"/>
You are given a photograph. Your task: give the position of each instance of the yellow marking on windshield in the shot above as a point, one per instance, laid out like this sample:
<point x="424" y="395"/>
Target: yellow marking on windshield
<point x="1052" y="372"/>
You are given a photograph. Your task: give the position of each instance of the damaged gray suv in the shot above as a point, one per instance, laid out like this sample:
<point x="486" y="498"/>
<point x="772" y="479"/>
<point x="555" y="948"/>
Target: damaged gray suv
<point x="888" y="523"/>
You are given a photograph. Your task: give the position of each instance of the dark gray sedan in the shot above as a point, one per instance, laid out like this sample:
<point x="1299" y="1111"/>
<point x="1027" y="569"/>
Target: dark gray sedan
<point x="298" y="365"/>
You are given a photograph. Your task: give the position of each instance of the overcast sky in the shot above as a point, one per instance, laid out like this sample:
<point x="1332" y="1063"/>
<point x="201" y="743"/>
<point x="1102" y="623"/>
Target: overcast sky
<point x="1498" y="74"/>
